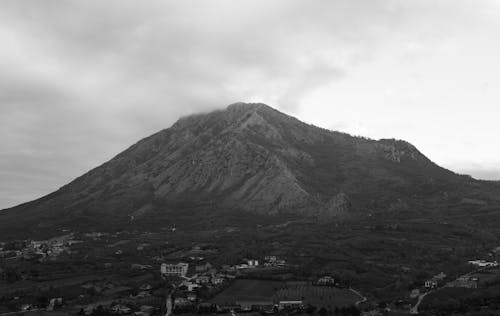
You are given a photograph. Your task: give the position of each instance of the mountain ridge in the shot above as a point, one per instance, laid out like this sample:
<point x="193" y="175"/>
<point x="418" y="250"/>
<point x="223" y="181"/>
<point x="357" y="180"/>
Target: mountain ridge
<point x="250" y="157"/>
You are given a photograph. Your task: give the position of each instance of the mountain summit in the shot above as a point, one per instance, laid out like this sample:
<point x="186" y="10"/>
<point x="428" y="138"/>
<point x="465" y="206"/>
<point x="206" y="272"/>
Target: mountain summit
<point x="249" y="158"/>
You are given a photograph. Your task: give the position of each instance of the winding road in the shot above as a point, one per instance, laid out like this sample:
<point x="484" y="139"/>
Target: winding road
<point x="414" y="309"/>
<point x="362" y="300"/>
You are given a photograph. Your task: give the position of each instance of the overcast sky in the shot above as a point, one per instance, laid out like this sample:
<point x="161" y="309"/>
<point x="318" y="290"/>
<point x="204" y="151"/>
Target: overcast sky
<point x="82" y="80"/>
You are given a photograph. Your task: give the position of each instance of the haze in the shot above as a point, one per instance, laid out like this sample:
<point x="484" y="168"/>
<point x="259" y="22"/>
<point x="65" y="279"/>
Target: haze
<point x="82" y="80"/>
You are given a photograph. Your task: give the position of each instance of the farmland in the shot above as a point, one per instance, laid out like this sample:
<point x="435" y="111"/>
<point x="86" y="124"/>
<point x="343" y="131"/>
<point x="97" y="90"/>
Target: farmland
<point x="319" y="296"/>
<point x="249" y="290"/>
<point x="263" y="291"/>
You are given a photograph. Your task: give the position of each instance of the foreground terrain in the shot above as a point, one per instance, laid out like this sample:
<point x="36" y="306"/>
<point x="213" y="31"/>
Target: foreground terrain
<point x="381" y="261"/>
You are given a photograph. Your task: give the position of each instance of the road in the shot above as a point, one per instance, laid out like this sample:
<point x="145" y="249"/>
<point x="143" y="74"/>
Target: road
<point x="414" y="309"/>
<point x="362" y="300"/>
<point x="169" y="304"/>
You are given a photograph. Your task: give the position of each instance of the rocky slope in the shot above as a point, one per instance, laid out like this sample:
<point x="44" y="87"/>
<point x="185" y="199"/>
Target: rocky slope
<point x="252" y="158"/>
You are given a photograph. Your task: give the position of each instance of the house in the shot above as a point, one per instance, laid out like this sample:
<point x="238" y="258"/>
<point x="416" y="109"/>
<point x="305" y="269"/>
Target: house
<point x="414" y="293"/>
<point x="483" y="263"/>
<point x="190" y="285"/>
<point x="202" y="279"/>
<point x="326" y="280"/>
<point x="440" y="276"/>
<point x="242" y="266"/>
<point x="179" y="269"/>
<point x="254" y="305"/>
<point x="465" y="282"/>
<point x="227" y="307"/>
<point x="437" y="279"/>
<point x="290" y="304"/>
<point x="26" y="307"/>
<point x="54" y="302"/>
<point x="181" y="301"/>
<point x="120" y="309"/>
<point x="217" y="280"/>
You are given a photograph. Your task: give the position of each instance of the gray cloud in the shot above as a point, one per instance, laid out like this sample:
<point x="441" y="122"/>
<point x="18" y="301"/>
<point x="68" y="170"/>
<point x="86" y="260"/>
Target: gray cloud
<point x="82" y="80"/>
<point x="482" y="174"/>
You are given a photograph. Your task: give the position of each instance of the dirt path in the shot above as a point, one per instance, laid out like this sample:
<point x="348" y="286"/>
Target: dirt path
<point x="362" y="298"/>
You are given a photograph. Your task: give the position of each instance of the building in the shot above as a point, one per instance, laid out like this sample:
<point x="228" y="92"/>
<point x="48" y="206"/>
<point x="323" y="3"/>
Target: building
<point x="255" y="305"/>
<point x="414" y="293"/>
<point x="483" y="263"/>
<point x="191" y="286"/>
<point x="181" y="302"/>
<point x="54" y="302"/>
<point x="326" y="280"/>
<point x="465" y="282"/>
<point x="290" y="304"/>
<point x="120" y="309"/>
<point x="242" y="266"/>
<point x="217" y="280"/>
<point x="179" y="269"/>
<point x="202" y="279"/>
<point x="435" y="281"/>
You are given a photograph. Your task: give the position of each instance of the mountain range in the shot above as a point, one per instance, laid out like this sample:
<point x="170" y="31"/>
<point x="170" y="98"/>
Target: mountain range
<point x="252" y="159"/>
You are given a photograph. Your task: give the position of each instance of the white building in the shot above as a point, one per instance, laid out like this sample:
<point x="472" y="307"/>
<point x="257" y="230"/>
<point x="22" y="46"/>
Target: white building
<point x="179" y="269"/>
<point x="191" y="286"/>
<point x="483" y="263"/>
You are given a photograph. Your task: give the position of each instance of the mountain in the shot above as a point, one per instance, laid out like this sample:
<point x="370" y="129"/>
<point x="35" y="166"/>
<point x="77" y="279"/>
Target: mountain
<point x="253" y="159"/>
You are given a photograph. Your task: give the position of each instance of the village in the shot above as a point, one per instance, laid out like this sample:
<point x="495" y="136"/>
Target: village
<point x="137" y="277"/>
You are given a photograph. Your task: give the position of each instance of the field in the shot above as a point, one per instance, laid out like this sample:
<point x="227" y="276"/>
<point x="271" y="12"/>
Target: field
<point x="319" y="296"/>
<point x="488" y="277"/>
<point x="260" y="291"/>
<point x="249" y="291"/>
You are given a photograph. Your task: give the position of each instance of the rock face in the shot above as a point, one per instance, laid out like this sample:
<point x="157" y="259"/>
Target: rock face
<point x="338" y="206"/>
<point x="248" y="157"/>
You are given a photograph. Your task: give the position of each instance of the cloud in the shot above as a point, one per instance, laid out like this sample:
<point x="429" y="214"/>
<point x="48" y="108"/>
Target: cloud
<point x="482" y="173"/>
<point x="82" y="80"/>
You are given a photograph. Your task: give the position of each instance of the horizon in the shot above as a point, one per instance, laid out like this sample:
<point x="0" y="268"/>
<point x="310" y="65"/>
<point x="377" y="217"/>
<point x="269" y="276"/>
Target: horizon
<point x="82" y="81"/>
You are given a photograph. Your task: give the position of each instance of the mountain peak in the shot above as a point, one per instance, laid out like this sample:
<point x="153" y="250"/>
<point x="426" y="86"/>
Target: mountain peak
<point x="246" y="157"/>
